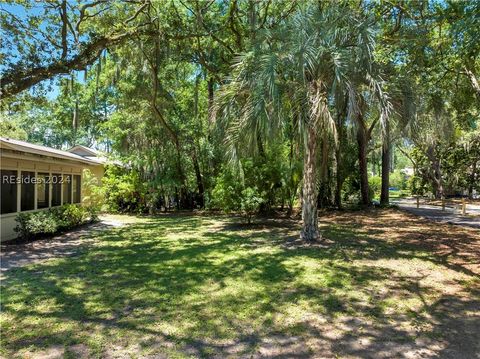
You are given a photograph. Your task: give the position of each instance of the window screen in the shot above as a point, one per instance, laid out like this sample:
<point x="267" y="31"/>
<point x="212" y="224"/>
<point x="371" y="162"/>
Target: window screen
<point x="9" y="191"/>
<point x="56" y="189"/>
<point x="27" y="201"/>
<point x="67" y="189"/>
<point x="77" y="188"/>
<point x="43" y="194"/>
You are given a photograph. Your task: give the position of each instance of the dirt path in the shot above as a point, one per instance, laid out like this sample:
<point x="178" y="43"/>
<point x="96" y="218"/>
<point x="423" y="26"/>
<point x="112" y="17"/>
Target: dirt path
<point x="67" y="244"/>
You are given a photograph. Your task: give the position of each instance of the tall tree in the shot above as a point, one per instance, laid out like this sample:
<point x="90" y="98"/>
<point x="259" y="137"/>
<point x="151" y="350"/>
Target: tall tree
<point x="304" y="66"/>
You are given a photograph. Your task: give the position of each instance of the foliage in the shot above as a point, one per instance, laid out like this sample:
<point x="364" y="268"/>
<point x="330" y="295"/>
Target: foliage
<point x="32" y="224"/>
<point x="398" y="179"/>
<point x="259" y="184"/>
<point x="374" y="184"/>
<point x="158" y="93"/>
<point x="11" y="129"/>
<point x="226" y="194"/>
<point x="417" y="186"/>
<point x="124" y="191"/>
<point x="70" y="215"/>
<point x="351" y="189"/>
<point x="53" y="220"/>
<point x="92" y="192"/>
<point x="454" y="165"/>
<point x="250" y="202"/>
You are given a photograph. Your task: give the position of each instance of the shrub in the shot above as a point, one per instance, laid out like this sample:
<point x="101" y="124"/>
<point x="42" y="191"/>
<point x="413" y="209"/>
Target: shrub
<point x="73" y="215"/>
<point x="250" y="202"/>
<point x="231" y="195"/>
<point x="226" y="194"/>
<point x="31" y="224"/>
<point x="374" y="185"/>
<point x="351" y="189"/>
<point x="418" y="186"/>
<point x="53" y="220"/>
<point x="124" y="191"/>
<point x="92" y="193"/>
<point x="398" y="179"/>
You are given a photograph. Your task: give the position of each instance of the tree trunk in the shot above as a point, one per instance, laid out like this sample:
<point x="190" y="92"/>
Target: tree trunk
<point x="438" y="180"/>
<point x="385" y="195"/>
<point x="261" y="149"/>
<point x="338" y="189"/>
<point x="324" y="198"/>
<point x="338" y="174"/>
<point x="362" y="160"/>
<point x="473" y="81"/>
<point x="290" y="190"/>
<point x="338" y="158"/>
<point x="210" y="85"/>
<point x="310" y="230"/>
<point x="199" y="178"/>
<point x="436" y="172"/>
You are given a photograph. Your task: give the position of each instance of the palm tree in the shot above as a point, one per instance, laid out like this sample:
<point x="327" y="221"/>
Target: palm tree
<point x="293" y="71"/>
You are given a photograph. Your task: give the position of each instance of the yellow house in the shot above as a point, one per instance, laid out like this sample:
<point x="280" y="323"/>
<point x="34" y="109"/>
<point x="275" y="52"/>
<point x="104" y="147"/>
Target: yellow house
<point x="35" y="178"/>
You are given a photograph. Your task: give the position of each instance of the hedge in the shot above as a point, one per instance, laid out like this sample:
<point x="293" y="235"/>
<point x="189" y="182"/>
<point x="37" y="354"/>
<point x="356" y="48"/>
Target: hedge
<point x="53" y="220"/>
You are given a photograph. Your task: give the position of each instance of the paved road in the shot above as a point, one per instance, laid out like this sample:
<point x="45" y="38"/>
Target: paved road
<point x="450" y="215"/>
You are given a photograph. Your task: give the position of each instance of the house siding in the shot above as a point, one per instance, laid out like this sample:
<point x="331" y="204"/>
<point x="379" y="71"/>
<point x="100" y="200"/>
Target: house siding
<point x="19" y="162"/>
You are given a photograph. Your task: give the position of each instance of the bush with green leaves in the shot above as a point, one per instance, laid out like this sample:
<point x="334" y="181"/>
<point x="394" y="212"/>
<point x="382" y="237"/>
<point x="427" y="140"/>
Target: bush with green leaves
<point x="398" y="179"/>
<point x="418" y="186"/>
<point x="232" y="195"/>
<point x="226" y="194"/>
<point x="374" y="185"/>
<point x="73" y="215"/>
<point x="124" y="191"/>
<point x="351" y="189"/>
<point x="92" y="193"/>
<point x="32" y="224"/>
<point x="250" y="202"/>
<point x="53" y="220"/>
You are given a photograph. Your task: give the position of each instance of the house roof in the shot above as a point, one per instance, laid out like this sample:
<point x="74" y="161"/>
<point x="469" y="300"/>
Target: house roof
<point x="89" y="153"/>
<point x="27" y="147"/>
<point x="80" y="150"/>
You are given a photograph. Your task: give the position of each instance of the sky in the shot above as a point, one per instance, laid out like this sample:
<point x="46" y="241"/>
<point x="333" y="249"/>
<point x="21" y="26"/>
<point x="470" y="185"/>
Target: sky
<point x="21" y="12"/>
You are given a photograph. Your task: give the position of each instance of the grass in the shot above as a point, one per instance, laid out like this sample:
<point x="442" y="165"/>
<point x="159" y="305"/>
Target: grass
<point x="394" y="194"/>
<point x="191" y="286"/>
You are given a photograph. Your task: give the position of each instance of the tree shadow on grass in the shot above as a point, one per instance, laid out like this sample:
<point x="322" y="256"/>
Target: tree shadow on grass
<point x="169" y="284"/>
<point x="451" y="246"/>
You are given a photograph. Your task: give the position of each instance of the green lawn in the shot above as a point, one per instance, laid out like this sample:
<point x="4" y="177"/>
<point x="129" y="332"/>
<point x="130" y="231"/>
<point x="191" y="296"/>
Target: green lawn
<point x="394" y="194"/>
<point x="191" y="286"/>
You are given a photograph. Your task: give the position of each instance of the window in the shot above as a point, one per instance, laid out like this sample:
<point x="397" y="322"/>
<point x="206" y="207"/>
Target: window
<point x="9" y="191"/>
<point x="56" y="189"/>
<point x="77" y="188"/>
<point x="27" y="201"/>
<point x="67" y="189"/>
<point x="43" y="186"/>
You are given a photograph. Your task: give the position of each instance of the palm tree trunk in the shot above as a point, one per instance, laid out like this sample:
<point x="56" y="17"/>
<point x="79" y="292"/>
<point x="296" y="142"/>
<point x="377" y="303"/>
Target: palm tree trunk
<point x="338" y="158"/>
<point x="310" y="230"/>
<point x="362" y="160"/>
<point x="385" y="195"/>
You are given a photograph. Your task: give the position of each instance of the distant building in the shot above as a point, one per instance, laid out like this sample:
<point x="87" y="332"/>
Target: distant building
<point x="408" y="171"/>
